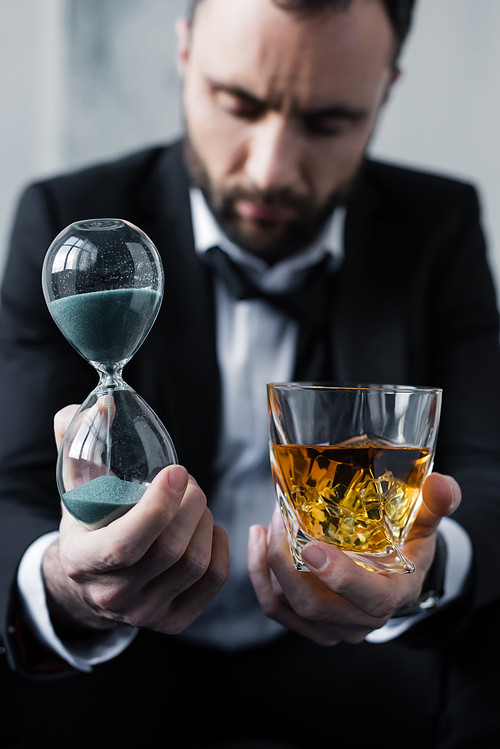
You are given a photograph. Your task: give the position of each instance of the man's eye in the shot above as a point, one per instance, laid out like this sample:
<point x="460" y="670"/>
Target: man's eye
<point x="239" y="106"/>
<point x="325" y="125"/>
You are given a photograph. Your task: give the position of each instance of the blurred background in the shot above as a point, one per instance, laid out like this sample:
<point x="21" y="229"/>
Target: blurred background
<point x="86" y="80"/>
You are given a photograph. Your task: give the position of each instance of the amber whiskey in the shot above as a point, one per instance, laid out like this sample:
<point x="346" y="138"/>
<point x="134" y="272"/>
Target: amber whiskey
<point x="360" y="497"/>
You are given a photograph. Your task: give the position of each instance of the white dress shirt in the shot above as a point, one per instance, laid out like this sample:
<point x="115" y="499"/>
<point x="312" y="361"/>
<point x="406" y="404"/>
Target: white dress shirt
<point x="256" y="344"/>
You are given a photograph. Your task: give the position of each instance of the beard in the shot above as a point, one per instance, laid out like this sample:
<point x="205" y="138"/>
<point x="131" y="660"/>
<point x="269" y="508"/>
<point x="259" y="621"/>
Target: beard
<point x="270" y="240"/>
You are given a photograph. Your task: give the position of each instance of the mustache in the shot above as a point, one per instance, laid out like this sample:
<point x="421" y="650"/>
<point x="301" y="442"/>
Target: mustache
<point x="283" y="198"/>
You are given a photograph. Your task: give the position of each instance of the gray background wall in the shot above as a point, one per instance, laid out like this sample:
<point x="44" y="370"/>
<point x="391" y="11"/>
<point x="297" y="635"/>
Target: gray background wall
<point x="82" y="80"/>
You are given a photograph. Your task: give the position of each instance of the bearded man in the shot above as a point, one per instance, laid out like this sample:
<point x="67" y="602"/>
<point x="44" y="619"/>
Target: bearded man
<point x="160" y="621"/>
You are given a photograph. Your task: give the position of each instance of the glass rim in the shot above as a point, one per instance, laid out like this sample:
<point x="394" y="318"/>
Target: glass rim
<point x="365" y="387"/>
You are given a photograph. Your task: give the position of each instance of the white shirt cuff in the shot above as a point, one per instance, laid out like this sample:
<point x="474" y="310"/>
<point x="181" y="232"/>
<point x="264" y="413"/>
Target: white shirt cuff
<point x="458" y="562"/>
<point x="83" y="655"/>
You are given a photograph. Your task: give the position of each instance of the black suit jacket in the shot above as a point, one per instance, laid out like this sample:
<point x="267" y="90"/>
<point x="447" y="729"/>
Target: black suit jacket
<point x="412" y="304"/>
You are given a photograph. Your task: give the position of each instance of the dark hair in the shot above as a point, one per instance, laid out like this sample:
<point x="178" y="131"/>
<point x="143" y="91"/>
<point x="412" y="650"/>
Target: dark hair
<point x="400" y="12"/>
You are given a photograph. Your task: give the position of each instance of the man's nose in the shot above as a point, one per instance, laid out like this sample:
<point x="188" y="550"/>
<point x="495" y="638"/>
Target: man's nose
<point x="274" y="155"/>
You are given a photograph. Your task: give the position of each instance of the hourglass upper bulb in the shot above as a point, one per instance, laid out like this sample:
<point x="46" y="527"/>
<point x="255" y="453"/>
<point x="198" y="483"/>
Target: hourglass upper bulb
<point x="103" y="284"/>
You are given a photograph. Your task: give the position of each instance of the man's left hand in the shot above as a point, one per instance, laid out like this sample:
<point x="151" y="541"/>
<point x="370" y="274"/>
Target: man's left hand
<point x="341" y="601"/>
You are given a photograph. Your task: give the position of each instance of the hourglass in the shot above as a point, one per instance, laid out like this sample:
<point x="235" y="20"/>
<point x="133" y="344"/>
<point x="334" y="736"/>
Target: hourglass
<point x="103" y="283"/>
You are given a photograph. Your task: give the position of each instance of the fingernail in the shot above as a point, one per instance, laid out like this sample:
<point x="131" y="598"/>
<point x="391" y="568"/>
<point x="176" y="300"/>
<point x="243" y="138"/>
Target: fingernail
<point x="314" y="556"/>
<point x="456" y="492"/>
<point x="177" y="478"/>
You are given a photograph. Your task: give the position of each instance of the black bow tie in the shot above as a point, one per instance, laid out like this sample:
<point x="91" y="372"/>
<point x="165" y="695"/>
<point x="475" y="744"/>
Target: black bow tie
<point x="307" y="305"/>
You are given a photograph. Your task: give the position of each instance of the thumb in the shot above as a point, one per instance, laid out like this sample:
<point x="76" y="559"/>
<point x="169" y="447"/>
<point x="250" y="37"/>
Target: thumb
<point x="441" y="496"/>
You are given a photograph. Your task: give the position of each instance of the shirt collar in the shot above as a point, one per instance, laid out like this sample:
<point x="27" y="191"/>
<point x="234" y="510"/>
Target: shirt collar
<point x="282" y="276"/>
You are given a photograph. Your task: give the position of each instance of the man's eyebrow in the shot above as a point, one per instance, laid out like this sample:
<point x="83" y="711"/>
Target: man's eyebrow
<point x="238" y="92"/>
<point x="337" y="111"/>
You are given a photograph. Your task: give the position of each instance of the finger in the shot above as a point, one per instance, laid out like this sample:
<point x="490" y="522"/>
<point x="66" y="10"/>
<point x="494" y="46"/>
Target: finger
<point x="260" y="573"/>
<point x="276" y="607"/>
<point x="62" y="420"/>
<point x="188" y="605"/>
<point x="441" y="495"/>
<point x="124" y="541"/>
<point x="188" y="534"/>
<point x="141" y="597"/>
<point x="377" y="595"/>
<point x="339" y="590"/>
<point x="261" y="577"/>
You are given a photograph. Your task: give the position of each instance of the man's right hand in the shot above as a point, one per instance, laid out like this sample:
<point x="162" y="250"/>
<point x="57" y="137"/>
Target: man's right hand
<point x="157" y="566"/>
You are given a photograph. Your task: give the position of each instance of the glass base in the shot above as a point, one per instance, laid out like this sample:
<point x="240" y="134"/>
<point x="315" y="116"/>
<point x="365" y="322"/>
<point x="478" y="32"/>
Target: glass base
<point x="392" y="561"/>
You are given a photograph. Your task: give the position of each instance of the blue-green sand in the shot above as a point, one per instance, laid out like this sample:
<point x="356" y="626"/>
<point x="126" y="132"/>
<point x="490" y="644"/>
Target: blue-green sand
<point x="93" y="502"/>
<point x="106" y="326"/>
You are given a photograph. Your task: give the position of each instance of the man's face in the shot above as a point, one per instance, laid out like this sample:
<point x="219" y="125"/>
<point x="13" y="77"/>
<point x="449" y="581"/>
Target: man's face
<point x="279" y="111"/>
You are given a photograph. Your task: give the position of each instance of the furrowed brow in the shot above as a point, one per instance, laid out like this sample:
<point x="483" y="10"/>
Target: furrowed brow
<point x="238" y="92"/>
<point x="338" y="112"/>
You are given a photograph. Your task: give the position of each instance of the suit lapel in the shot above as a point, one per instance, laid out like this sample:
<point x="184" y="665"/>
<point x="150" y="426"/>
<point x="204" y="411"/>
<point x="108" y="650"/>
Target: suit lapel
<point x="185" y="381"/>
<point x="367" y="334"/>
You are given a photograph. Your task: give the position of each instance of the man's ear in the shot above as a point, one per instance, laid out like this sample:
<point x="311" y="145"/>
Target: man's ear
<point x="183" y="32"/>
<point x="395" y="75"/>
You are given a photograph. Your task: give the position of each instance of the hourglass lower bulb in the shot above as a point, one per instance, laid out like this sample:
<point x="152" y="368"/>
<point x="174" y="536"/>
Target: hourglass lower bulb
<point x="103" y="283"/>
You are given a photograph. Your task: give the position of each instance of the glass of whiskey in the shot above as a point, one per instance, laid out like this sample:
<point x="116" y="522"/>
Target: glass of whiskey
<point x="348" y="465"/>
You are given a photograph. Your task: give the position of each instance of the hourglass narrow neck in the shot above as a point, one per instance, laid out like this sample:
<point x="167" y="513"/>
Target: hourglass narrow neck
<point x="111" y="379"/>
